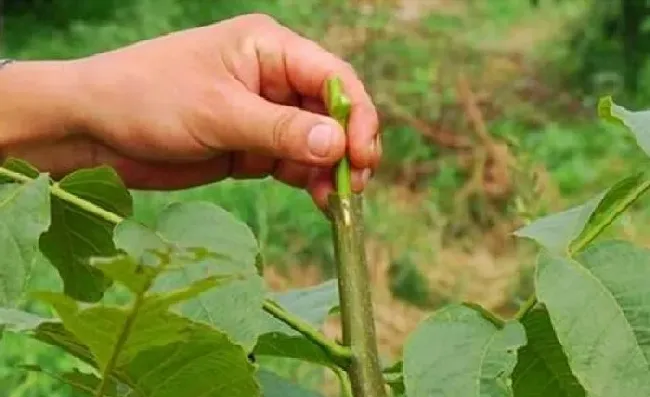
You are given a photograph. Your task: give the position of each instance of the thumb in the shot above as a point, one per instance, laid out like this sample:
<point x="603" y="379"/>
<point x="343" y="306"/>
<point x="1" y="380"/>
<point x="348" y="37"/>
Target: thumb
<point x="283" y="132"/>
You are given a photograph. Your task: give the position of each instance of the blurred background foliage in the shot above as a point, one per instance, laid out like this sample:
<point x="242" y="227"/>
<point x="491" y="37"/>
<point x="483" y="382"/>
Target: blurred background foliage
<point x="488" y="119"/>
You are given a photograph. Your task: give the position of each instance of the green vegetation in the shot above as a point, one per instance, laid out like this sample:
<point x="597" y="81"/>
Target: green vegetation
<point x="153" y="306"/>
<point x="441" y="210"/>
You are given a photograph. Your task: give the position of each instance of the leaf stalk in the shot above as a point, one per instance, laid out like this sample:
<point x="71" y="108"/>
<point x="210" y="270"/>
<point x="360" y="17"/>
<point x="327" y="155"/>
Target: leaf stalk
<point x="339" y="354"/>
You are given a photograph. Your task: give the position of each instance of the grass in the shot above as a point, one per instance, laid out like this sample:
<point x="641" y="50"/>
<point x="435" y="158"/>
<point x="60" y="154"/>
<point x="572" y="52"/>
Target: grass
<point x="435" y="233"/>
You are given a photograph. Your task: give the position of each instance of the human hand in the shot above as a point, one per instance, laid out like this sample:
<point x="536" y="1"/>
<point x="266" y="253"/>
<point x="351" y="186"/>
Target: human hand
<point x="242" y="98"/>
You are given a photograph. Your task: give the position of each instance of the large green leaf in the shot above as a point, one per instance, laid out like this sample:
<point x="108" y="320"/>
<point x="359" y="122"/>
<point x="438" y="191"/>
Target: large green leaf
<point x="121" y="333"/>
<point x="77" y="235"/>
<point x="599" y="306"/>
<point x="24" y="217"/>
<point x="570" y="231"/>
<point x="457" y="352"/>
<point x="274" y="385"/>
<point x="542" y="368"/>
<point x="117" y="334"/>
<point x="204" y="363"/>
<point x="637" y="122"/>
<point x="226" y="246"/>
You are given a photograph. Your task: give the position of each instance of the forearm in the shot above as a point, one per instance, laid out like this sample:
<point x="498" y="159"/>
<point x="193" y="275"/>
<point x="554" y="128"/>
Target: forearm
<point x="37" y="102"/>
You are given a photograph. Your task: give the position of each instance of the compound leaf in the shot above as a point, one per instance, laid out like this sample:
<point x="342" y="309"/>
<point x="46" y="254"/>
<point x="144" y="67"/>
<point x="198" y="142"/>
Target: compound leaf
<point x="457" y="352"/>
<point x="76" y="235"/>
<point x="542" y="368"/>
<point x="599" y="305"/>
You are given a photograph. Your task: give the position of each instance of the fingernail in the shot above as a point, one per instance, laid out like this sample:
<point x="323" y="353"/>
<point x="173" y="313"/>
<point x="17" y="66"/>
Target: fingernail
<point x="376" y="144"/>
<point x="361" y="177"/>
<point x="320" y="140"/>
<point x="365" y="176"/>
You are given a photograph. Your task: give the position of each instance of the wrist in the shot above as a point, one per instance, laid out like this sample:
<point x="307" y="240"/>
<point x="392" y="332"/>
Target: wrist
<point x="39" y="102"/>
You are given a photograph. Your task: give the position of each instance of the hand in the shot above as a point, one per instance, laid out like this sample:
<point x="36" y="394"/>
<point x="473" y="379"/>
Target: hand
<point x="241" y="98"/>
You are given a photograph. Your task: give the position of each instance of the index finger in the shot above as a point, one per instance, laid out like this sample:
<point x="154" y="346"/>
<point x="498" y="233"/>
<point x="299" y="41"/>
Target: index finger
<point x="309" y="67"/>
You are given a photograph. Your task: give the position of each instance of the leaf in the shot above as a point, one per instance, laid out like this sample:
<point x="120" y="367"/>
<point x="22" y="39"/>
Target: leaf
<point x="598" y="305"/>
<point x="617" y="199"/>
<point x="542" y="368"/>
<point x="24" y="217"/>
<point x="637" y="122"/>
<point x="79" y="381"/>
<point x="76" y="234"/>
<point x="457" y="352"/>
<point x="206" y="364"/>
<point x="312" y="304"/>
<point x="18" y="320"/>
<point x="20" y="166"/>
<point x="274" y="385"/>
<point x="226" y="246"/>
<point x="570" y="231"/>
<point x="122" y="268"/>
<point x="278" y="344"/>
<point x="394" y="376"/>
<point x="121" y="333"/>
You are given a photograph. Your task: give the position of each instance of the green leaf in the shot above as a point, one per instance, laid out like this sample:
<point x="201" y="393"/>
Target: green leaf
<point x="76" y="235"/>
<point x="80" y="381"/>
<point x="457" y="352"/>
<point x="18" y="320"/>
<point x="121" y="333"/>
<point x="101" y="328"/>
<point x="637" y="122"/>
<point x="24" y="217"/>
<point x="570" y="231"/>
<point x="20" y="166"/>
<point x="125" y="270"/>
<point x="617" y="199"/>
<point x="279" y="344"/>
<point x="598" y="305"/>
<point x="274" y="385"/>
<point x="542" y="368"/>
<point x="394" y="376"/>
<point x="312" y="304"/>
<point x="225" y="245"/>
<point x="206" y="364"/>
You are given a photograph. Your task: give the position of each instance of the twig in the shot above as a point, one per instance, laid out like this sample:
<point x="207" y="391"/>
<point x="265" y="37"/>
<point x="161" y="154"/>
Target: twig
<point x="354" y="290"/>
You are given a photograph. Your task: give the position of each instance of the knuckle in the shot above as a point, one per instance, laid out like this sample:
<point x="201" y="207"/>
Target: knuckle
<point x="261" y="19"/>
<point x="281" y="130"/>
